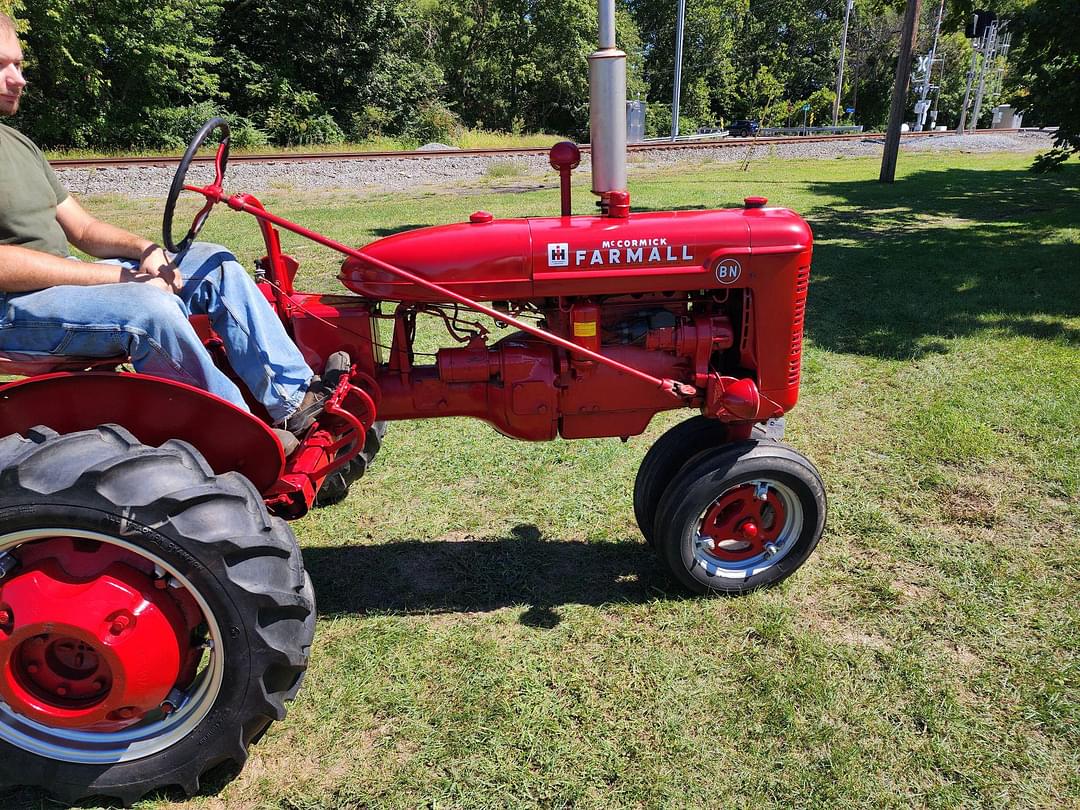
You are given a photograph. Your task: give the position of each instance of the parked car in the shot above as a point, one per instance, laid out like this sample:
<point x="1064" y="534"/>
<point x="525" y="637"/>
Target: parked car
<point x="743" y="128"/>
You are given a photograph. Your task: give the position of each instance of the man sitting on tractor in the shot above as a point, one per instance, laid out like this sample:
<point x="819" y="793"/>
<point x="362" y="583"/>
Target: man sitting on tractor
<point x="136" y="301"/>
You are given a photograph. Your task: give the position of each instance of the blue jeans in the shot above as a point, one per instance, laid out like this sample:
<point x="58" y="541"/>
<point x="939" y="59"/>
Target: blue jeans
<point x="152" y="328"/>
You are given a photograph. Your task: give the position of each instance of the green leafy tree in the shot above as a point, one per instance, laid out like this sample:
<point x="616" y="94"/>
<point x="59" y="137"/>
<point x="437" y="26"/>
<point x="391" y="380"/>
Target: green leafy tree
<point x="523" y="65"/>
<point x="306" y="70"/>
<point x="1046" y="80"/>
<point x="106" y="74"/>
<point x="709" y="79"/>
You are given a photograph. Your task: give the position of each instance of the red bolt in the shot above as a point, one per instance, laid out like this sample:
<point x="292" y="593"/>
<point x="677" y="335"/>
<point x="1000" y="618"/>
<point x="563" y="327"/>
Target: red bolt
<point x="5" y="616"/>
<point x="99" y="685"/>
<point x="31" y="668"/>
<point x="749" y="530"/>
<point x="120" y="624"/>
<point x="61" y="690"/>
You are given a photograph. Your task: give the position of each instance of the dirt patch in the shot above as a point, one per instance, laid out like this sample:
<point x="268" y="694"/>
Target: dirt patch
<point x="974" y="501"/>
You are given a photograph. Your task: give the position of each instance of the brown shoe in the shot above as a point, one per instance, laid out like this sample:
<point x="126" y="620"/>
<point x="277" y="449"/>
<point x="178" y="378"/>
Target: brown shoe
<point x="309" y="410"/>
<point x="318" y="390"/>
<point x="289" y="442"/>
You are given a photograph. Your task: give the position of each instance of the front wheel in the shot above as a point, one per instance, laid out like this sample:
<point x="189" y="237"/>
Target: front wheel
<point x="153" y="617"/>
<point x="741" y="517"/>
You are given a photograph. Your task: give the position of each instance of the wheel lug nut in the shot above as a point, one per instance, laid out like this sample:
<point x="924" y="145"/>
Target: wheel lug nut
<point x="770" y="549"/>
<point x="120" y="624"/>
<point x="61" y="690"/>
<point x="32" y="668"/>
<point x="5" y="616"/>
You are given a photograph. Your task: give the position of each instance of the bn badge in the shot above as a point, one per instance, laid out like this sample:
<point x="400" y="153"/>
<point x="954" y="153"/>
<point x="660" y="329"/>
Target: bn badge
<point x="728" y="271"/>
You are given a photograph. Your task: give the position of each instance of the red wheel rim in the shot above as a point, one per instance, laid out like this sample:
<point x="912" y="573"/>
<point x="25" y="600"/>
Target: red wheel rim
<point x="741" y="524"/>
<point x="91" y="640"/>
<point x="103" y="648"/>
<point x="750" y="527"/>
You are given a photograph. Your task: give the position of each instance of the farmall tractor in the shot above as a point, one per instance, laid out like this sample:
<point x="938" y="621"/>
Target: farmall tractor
<point x="155" y="615"/>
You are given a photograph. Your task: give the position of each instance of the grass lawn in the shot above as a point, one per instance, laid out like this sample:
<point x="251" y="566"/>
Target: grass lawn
<point x="495" y="633"/>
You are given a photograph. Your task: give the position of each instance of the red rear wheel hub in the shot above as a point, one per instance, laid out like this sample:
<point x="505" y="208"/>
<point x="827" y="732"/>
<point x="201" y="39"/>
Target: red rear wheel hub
<point x="89" y="638"/>
<point x="740" y="524"/>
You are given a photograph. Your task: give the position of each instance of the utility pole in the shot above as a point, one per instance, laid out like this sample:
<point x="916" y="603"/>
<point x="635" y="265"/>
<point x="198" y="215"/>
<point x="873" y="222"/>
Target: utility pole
<point x="967" y="89"/>
<point x="840" y="67"/>
<point x="680" y="21"/>
<point x="899" y="96"/>
<point x="923" y="105"/>
<point x="937" y="93"/>
<point x="989" y="54"/>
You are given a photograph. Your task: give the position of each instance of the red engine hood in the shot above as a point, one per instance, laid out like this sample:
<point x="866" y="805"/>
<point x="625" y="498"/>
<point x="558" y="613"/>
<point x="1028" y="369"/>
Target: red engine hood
<point x="570" y="256"/>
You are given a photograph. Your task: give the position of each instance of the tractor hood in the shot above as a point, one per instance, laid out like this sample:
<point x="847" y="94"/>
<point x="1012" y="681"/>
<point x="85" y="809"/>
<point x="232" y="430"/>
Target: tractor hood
<point x="487" y="259"/>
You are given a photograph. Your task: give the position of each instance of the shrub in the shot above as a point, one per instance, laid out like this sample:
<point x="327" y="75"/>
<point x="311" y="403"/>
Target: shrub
<point x="434" y="123"/>
<point x="658" y="121"/>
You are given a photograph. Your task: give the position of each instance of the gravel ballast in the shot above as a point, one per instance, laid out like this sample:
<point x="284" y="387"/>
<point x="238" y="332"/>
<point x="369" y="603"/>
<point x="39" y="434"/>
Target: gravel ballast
<point x="399" y="174"/>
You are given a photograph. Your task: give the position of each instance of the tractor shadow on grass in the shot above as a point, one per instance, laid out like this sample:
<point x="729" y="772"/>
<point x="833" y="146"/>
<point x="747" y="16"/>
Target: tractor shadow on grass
<point x="474" y="575"/>
<point x="898" y="270"/>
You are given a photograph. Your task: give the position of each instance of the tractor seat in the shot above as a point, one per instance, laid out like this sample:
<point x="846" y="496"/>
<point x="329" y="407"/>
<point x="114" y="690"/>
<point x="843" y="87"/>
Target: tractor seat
<point x="31" y="364"/>
<point x="28" y="364"/>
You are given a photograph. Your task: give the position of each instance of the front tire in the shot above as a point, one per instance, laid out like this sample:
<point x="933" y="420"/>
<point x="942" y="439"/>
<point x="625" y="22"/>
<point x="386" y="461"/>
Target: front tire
<point x="741" y="517"/>
<point x="220" y="641"/>
<point x="337" y="485"/>
<point x="667" y="456"/>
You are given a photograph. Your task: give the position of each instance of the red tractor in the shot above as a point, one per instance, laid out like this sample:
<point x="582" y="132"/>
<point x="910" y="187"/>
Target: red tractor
<point x="155" y="615"/>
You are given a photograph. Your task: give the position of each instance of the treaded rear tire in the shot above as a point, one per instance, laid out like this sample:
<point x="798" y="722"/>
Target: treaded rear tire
<point x="215" y="530"/>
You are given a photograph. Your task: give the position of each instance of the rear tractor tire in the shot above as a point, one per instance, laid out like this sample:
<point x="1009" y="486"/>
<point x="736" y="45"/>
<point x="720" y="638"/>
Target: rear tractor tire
<point x="741" y="517"/>
<point x="154" y="618"/>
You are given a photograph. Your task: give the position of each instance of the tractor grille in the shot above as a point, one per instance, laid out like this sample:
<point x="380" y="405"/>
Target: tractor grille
<point x="746" y="352"/>
<point x="802" y="282"/>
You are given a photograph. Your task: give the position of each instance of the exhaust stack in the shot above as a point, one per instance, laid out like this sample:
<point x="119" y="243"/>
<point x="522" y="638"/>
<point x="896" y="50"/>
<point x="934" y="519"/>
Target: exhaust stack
<point x="607" y="113"/>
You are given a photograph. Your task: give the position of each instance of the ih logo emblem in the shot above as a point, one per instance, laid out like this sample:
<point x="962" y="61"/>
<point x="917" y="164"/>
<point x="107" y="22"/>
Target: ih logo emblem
<point x="558" y="254"/>
<point x="728" y="271"/>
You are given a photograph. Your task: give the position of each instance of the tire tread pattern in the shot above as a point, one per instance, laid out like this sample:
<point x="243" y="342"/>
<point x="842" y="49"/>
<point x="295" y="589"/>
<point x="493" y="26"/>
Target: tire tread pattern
<point x="223" y="520"/>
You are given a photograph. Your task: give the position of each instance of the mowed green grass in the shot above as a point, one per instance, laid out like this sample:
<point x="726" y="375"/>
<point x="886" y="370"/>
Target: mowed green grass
<point x="495" y="633"/>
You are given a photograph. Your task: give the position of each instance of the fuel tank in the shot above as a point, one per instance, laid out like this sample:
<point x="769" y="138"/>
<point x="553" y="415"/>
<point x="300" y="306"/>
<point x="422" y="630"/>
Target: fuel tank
<point x="488" y="259"/>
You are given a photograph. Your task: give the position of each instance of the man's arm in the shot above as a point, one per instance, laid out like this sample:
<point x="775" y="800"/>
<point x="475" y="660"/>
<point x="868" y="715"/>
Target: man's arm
<point x="90" y="235"/>
<point x="23" y="270"/>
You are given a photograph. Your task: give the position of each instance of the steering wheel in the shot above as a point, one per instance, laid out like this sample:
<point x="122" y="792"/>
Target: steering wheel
<point x="220" y="162"/>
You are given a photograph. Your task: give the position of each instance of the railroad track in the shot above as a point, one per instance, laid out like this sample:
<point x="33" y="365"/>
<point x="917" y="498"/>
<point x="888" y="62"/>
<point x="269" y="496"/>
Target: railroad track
<point x="308" y="157"/>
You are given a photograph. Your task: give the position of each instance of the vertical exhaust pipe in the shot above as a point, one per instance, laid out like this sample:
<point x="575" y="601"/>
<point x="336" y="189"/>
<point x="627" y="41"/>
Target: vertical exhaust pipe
<point x="607" y="109"/>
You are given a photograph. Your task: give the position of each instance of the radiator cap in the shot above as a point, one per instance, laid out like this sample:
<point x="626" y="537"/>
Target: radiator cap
<point x="755" y="202"/>
<point x="480" y="217"/>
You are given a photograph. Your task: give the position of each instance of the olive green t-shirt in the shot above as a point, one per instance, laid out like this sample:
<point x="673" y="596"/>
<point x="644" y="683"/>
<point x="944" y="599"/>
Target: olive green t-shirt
<point x="29" y="194"/>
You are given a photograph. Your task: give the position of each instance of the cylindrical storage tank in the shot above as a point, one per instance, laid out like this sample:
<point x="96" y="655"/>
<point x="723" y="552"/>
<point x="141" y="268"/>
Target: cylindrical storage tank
<point x="635" y="121"/>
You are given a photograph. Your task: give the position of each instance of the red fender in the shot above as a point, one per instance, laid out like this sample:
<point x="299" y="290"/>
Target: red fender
<point x="154" y="410"/>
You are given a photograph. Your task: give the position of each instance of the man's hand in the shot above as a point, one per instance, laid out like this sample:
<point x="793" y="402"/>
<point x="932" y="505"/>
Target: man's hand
<point x="155" y="267"/>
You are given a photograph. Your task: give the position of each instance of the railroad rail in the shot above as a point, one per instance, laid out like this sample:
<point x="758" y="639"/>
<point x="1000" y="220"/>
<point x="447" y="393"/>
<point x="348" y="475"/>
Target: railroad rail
<point x="509" y="151"/>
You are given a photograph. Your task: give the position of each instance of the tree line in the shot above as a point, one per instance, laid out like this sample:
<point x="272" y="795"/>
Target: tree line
<point x="145" y="73"/>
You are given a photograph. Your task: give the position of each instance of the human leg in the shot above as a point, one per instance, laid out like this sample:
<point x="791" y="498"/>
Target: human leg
<point x="258" y="347"/>
<point x="144" y="323"/>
